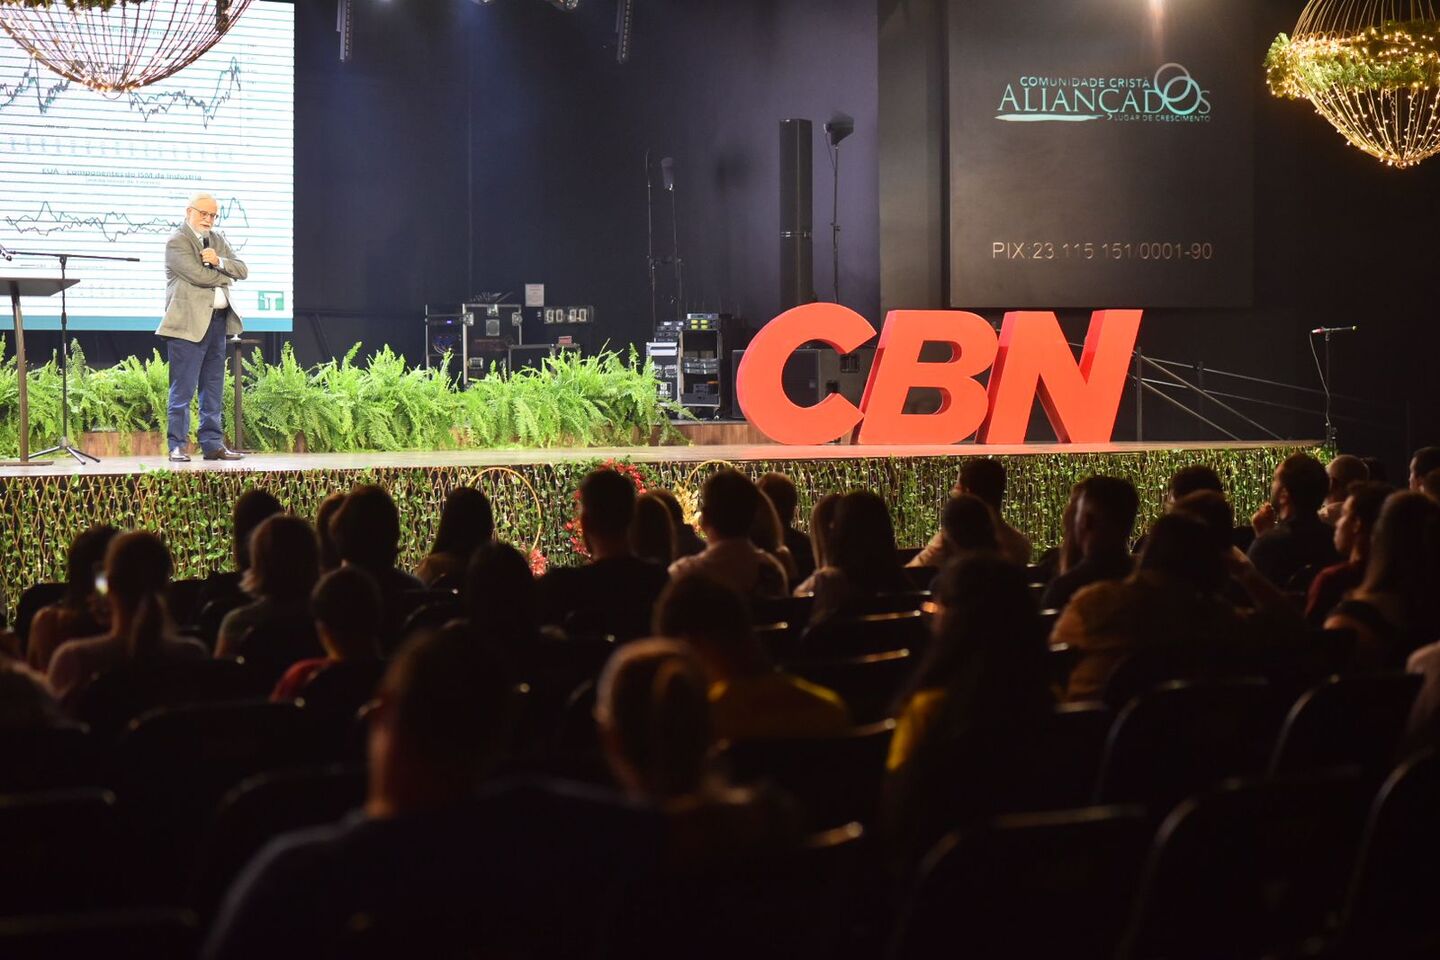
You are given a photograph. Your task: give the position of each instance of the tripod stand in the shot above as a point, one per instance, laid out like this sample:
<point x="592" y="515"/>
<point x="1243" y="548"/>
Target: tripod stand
<point x="63" y="445"/>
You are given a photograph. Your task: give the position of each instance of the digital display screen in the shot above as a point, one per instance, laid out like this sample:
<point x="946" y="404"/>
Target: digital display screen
<point x="88" y="173"/>
<point x="1101" y="153"/>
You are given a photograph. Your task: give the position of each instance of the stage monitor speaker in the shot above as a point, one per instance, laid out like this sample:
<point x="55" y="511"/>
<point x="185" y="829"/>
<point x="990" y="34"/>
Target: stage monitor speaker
<point x="797" y="215"/>
<point x="812" y="374"/>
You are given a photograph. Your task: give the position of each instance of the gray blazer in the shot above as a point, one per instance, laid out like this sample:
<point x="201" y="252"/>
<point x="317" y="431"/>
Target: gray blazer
<point x="190" y="286"/>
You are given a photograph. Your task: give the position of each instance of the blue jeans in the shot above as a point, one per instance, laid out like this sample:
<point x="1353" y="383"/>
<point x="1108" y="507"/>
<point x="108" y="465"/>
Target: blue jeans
<point x="198" y="365"/>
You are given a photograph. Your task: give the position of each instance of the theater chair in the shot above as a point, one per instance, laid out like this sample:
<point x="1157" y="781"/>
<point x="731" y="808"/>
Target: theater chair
<point x="48" y="758"/>
<point x="1183" y="738"/>
<point x="1355" y="720"/>
<point x="837" y="779"/>
<point x="261" y="808"/>
<point x="866" y="634"/>
<point x="1029" y="885"/>
<point x="64" y="850"/>
<point x="1391" y="908"/>
<point x="118" y="696"/>
<point x="868" y="684"/>
<point x="1250" y="869"/>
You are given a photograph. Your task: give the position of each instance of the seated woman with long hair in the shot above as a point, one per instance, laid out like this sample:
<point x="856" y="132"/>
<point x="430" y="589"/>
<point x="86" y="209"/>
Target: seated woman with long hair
<point x="466" y="522"/>
<point x="982" y="690"/>
<point x="1396" y="609"/>
<point x="81" y="612"/>
<point x="861" y="560"/>
<point x="653" y="714"/>
<point x="137" y="574"/>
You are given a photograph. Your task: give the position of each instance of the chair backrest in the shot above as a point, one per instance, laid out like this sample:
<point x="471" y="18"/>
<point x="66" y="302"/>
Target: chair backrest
<point x="64" y="850"/>
<point x="138" y="934"/>
<point x="1029" y="885"/>
<point x="48" y="758"/>
<point x="903" y="601"/>
<point x="781" y="609"/>
<point x="837" y="779"/>
<point x="1185" y="737"/>
<point x="432" y="615"/>
<point x="868" y="633"/>
<point x="183" y="598"/>
<point x="1062" y="761"/>
<point x="1390" y="911"/>
<point x="1355" y="720"/>
<point x="868" y="684"/>
<point x="34" y="597"/>
<point x="342" y="687"/>
<point x="1063" y="658"/>
<point x="920" y="578"/>
<point x="118" y="696"/>
<point x="261" y="808"/>
<point x="1145" y="669"/>
<point x="213" y="613"/>
<point x="1250" y="868"/>
<point x="272" y="646"/>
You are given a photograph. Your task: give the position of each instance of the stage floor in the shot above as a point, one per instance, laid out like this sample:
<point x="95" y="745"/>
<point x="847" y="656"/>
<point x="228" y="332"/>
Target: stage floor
<point x="733" y="453"/>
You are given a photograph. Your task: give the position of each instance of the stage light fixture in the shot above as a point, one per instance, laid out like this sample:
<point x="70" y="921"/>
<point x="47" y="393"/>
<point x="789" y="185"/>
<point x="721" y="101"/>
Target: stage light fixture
<point x="1372" y="69"/>
<point x="114" y="47"/>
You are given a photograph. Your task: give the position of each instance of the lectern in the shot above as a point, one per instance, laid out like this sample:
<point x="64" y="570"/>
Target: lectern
<point x="27" y="285"/>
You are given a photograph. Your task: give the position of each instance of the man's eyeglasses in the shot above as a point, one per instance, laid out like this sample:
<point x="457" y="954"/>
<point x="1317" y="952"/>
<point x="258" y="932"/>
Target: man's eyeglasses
<point x="206" y="214"/>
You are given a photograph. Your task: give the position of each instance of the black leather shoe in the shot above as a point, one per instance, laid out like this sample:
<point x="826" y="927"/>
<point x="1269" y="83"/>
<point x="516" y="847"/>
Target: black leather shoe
<point x="223" y="453"/>
<point x="178" y="455"/>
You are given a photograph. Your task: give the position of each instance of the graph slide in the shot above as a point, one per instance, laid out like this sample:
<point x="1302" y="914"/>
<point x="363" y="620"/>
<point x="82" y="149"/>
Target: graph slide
<point x="86" y="173"/>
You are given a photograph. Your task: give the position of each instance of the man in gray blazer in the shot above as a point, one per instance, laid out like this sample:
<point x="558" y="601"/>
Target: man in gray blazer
<point x="199" y="314"/>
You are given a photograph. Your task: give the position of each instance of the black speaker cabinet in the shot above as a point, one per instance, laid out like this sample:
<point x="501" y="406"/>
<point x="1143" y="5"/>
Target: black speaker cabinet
<point x="812" y="374"/>
<point x="797" y="215"/>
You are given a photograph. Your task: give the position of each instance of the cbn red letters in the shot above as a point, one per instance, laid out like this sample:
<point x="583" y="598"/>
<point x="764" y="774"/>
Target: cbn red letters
<point x="1029" y="358"/>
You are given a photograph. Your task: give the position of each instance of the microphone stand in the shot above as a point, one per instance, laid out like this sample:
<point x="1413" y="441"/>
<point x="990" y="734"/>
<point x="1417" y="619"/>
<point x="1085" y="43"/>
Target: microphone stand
<point x="675" y="254"/>
<point x="64" y="445"/>
<point x="650" y="238"/>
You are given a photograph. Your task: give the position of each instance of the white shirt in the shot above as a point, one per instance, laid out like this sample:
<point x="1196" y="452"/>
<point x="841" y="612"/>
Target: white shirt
<point x="221" y="302"/>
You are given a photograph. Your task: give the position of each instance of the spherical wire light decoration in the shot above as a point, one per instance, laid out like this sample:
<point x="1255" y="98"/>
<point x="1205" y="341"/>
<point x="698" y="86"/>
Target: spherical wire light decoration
<point x="1370" y="67"/>
<point x="115" y="46"/>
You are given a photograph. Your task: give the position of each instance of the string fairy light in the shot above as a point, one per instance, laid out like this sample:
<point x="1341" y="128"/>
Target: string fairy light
<point x="1371" y="68"/>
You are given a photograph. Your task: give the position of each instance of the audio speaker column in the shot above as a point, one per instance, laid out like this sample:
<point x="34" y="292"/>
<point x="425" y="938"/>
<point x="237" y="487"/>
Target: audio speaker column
<point x="797" y="219"/>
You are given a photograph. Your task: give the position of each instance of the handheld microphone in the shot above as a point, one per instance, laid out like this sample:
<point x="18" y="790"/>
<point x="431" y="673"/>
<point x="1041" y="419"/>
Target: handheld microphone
<point x="205" y="245"/>
<point x="667" y="172"/>
<point x="1334" y="330"/>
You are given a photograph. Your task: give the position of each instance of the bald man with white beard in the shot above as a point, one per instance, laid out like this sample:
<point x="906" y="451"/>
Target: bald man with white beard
<point x="200" y="268"/>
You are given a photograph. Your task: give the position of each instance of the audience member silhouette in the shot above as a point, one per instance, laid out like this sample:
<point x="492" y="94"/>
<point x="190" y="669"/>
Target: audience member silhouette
<point x="284" y="565"/>
<point x="728" y="501"/>
<point x="985" y="478"/>
<point x="1173" y="600"/>
<point x="1344" y="471"/>
<point x="251" y="509"/>
<point x="1354" y="528"/>
<point x="1422" y="463"/>
<point x="979" y="697"/>
<point x="25" y="700"/>
<point x="366" y="531"/>
<point x="652" y="532"/>
<point x="500" y="599"/>
<point x="782" y="493"/>
<point x="324" y="517"/>
<point x="1292" y="543"/>
<point x="822" y="527"/>
<point x="653" y="716"/>
<point x="1396" y="608"/>
<point x="749" y="697"/>
<point x="466" y="521"/>
<point x="615" y="592"/>
<point x="767" y="533"/>
<point x="1103" y="524"/>
<point x="861" y="560"/>
<point x="443" y="860"/>
<point x="687" y="541"/>
<point x="968" y="526"/>
<point x="137" y="574"/>
<point x="82" y="611"/>
<point x="345" y="606"/>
